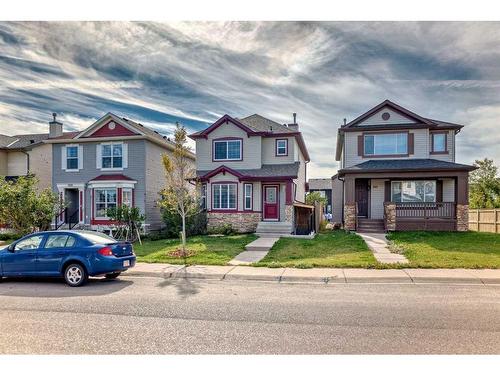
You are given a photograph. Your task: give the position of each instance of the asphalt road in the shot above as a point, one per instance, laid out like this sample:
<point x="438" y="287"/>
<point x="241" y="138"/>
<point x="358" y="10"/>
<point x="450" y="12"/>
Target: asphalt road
<point x="153" y="316"/>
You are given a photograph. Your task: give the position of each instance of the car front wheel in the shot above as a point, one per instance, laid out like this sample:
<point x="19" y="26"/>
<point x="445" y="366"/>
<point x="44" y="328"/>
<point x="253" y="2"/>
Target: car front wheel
<point x="111" y="276"/>
<point x="75" y="275"/>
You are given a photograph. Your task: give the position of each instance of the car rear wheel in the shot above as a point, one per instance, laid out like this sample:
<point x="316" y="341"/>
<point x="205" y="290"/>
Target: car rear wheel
<point x="75" y="275"/>
<point x="111" y="276"/>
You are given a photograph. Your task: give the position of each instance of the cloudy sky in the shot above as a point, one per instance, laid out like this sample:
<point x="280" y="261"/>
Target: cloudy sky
<point x="196" y="72"/>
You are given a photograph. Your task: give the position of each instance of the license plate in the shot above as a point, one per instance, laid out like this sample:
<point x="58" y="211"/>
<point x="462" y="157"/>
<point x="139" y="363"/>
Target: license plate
<point x="126" y="263"/>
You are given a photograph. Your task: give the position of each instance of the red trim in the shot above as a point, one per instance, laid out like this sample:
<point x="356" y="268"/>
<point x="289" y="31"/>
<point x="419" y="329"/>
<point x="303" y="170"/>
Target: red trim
<point x="101" y="222"/>
<point x="263" y="198"/>
<point x="224" y="139"/>
<point x="244" y="197"/>
<point x="119" y="198"/>
<point x="223" y="120"/>
<point x="92" y="207"/>
<point x="133" y="197"/>
<point x="289" y="192"/>
<point x="112" y="177"/>
<point x="80" y="208"/>
<point x="104" y="131"/>
<point x="223" y="169"/>
<point x="276" y="147"/>
<point x="212" y="195"/>
<point x="61" y="200"/>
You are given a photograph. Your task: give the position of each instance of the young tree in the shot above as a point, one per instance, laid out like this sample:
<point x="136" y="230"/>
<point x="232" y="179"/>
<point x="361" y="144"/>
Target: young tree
<point x="23" y="208"/>
<point x="484" y="185"/>
<point x="315" y="197"/>
<point x="179" y="194"/>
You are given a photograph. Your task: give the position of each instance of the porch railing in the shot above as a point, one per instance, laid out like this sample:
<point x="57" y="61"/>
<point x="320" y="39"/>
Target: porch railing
<point x="426" y="210"/>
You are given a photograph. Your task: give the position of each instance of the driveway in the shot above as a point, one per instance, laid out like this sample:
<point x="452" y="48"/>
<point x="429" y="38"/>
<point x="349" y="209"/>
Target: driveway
<point x="152" y="315"/>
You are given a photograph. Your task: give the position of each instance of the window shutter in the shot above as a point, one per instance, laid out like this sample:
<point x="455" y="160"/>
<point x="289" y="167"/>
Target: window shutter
<point x="63" y="158"/>
<point x="98" y="156"/>
<point x="439" y="190"/>
<point x="125" y="155"/>
<point x="411" y="144"/>
<point x="80" y="157"/>
<point x="387" y="191"/>
<point x="360" y="145"/>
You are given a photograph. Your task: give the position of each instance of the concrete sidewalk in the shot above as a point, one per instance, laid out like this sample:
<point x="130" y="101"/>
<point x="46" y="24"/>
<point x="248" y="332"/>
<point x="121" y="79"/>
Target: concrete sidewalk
<point x="319" y="275"/>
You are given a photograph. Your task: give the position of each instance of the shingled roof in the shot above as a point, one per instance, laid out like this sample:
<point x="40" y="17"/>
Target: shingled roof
<point x="268" y="170"/>
<point x="259" y="123"/>
<point x="320" y="183"/>
<point x="405" y="165"/>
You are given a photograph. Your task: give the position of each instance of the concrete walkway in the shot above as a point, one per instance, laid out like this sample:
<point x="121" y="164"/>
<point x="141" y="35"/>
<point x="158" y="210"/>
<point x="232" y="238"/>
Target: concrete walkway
<point x="319" y="275"/>
<point x="378" y="244"/>
<point x="254" y="251"/>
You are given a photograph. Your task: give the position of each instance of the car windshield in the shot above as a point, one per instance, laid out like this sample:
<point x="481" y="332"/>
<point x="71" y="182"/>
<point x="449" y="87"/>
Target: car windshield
<point x="97" y="238"/>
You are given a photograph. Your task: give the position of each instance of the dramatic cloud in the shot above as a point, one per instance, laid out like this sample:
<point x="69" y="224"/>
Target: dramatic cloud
<point x="194" y="72"/>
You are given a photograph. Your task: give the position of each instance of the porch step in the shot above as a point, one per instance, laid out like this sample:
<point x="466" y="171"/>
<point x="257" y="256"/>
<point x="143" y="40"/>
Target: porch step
<point x="370" y="225"/>
<point x="273" y="229"/>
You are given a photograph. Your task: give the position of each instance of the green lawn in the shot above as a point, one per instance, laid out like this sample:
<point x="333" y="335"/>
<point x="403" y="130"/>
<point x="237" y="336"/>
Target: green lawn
<point x="205" y="250"/>
<point x="448" y="249"/>
<point x="329" y="249"/>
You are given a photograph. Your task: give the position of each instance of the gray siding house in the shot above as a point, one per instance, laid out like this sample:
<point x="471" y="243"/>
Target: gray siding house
<point x="114" y="161"/>
<point x="398" y="172"/>
<point x="251" y="171"/>
<point x="324" y="187"/>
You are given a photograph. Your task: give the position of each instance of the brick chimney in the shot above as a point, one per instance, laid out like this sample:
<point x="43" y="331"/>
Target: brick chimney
<point x="294" y="126"/>
<point x="55" y="127"/>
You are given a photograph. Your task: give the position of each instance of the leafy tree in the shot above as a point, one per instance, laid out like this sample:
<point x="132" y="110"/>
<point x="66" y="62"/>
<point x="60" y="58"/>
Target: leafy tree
<point x="484" y="185"/>
<point x="315" y="197"/>
<point x="23" y="208"/>
<point x="128" y="220"/>
<point x="179" y="195"/>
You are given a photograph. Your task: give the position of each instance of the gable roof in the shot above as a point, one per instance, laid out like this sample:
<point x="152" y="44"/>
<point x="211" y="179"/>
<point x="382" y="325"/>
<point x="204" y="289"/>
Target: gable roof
<point x="419" y="120"/>
<point x="256" y="125"/>
<point x="26" y="141"/>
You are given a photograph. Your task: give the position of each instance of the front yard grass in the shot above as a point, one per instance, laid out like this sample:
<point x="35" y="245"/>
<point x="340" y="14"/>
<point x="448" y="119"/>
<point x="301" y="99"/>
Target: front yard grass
<point x="205" y="250"/>
<point x="328" y="249"/>
<point x="448" y="249"/>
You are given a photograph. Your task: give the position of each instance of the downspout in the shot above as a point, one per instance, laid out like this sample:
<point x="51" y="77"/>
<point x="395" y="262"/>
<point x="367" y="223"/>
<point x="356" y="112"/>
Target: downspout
<point x="343" y="198"/>
<point x="27" y="162"/>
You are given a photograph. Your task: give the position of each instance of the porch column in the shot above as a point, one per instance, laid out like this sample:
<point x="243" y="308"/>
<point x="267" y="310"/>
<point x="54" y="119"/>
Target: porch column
<point x="349" y="204"/>
<point x="462" y="201"/>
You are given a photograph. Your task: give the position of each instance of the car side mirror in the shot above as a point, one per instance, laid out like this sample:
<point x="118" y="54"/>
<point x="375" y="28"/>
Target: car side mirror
<point x="11" y="247"/>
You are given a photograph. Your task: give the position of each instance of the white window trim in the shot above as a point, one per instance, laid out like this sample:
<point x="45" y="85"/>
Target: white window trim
<point x="228" y="200"/>
<point x="64" y="158"/>
<point x="226" y="141"/>
<point x="95" y="202"/>
<point x="128" y="190"/>
<point x="99" y="156"/>
<point x="403" y="181"/>
<point x="245" y="196"/>
<point x="278" y="147"/>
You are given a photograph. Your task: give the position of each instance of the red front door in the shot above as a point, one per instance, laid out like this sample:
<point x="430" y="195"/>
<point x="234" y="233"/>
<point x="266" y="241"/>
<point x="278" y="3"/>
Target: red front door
<point x="271" y="203"/>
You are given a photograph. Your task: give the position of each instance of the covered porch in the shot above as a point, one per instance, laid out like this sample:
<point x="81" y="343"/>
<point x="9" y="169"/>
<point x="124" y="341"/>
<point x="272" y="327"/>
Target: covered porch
<point x="424" y="199"/>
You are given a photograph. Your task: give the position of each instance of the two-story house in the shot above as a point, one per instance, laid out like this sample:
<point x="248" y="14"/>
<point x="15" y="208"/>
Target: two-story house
<point x="398" y="172"/>
<point x="115" y="161"/>
<point x="25" y="154"/>
<point x="251" y="170"/>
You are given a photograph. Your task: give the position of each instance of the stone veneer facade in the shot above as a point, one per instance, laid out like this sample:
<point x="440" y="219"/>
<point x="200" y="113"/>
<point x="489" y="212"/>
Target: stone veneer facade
<point x="350" y="216"/>
<point x="462" y="217"/>
<point x="242" y="222"/>
<point x="289" y="213"/>
<point x="390" y="216"/>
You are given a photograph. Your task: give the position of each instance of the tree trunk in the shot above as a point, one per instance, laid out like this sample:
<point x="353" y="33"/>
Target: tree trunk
<point x="183" y="235"/>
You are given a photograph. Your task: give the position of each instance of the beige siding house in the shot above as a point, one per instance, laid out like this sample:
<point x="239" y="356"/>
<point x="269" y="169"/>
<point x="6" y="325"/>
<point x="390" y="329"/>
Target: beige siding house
<point x="252" y="172"/>
<point x="398" y="172"/>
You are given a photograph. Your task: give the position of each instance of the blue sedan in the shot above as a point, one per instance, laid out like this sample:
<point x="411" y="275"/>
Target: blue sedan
<point x="74" y="255"/>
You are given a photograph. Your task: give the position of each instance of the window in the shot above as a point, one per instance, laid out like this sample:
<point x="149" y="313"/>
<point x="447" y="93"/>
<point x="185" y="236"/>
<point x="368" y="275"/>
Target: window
<point x="282" y="147"/>
<point x="386" y="144"/>
<point x="248" y="196"/>
<point x="439" y="142"/>
<point x="112" y="155"/>
<point x="59" y="240"/>
<point x="104" y="199"/>
<point x="413" y="191"/>
<point x="224" y="196"/>
<point x="97" y="238"/>
<point x="203" y="202"/>
<point x="30" y="243"/>
<point x="127" y="197"/>
<point x="227" y="150"/>
<point x="71" y="157"/>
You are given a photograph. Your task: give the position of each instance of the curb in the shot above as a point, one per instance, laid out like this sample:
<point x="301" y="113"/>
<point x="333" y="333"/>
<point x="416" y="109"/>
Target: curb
<point x="321" y="276"/>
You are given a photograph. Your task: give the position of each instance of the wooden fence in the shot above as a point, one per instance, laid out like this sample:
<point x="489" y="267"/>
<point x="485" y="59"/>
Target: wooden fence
<point x="484" y="220"/>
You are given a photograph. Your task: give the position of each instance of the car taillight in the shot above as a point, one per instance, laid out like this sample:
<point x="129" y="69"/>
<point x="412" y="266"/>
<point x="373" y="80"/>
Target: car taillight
<point x="106" y="252"/>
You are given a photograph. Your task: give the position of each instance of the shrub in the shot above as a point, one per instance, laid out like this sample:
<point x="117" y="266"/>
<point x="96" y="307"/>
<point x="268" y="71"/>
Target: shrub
<point x="225" y="229"/>
<point x="195" y="224"/>
<point x="9" y="236"/>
